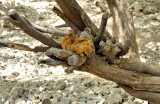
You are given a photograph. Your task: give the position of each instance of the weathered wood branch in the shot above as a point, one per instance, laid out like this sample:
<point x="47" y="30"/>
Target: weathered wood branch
<point x="45" y="30"/>
<point x="137" y="81"/>
<point x="72" y="58"/>
<point x="101" y="29"/>
<point x="52" y="62"/>
<point x="125" y="48"/>
<point x="70" y="8"/>
<point x="145" y="95"/>
<point x="101" y="6"/>
<point x="23" y="47"/>
<point x="134" y="65"/>
<point x="109" y="51"/>
<point x="123" y="26"/>
<point x="66" y="19"/>
<point x="17" y="20"/>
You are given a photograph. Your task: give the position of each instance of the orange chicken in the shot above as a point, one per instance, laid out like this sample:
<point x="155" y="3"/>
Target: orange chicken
<point x="79" y="45"/>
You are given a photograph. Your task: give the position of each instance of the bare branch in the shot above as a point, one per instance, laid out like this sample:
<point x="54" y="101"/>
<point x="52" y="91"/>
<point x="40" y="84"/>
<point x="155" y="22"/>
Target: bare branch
<point x="59" y="53"/>
<point x="73" y="59"/>
<point x="101" y="29"/>
<point x="109" y="51"/>
<point x="89" y="24"/>
<point x="123" y="26"/>
<point x="17" y="20"/>
<point x="44" y="30"/>
<point x="52" y="62"/>
<point x="76" y="60"/>
<point x="136" y="80"/>
<point x="101" y="6"/>
<point x="65" y="18"/>
<point x="125" y="48"/>
<point x="144" y="95"/>
<point x="133" y="65"/>
<point x="23" y="47"/>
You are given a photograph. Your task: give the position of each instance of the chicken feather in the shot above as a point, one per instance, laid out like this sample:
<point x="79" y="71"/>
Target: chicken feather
<point x="79" y="45"/>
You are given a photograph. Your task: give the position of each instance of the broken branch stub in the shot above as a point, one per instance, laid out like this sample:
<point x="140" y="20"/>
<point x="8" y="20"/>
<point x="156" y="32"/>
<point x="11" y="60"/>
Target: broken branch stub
<point x="125" y="48"/>
<point x="72" y="58"/>
<point x="109" y="51"/>
<point x="101" y="29"/>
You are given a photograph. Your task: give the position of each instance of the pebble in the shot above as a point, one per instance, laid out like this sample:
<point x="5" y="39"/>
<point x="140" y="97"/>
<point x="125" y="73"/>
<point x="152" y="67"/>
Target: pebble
<point x="114" y="99"/>
<point x="150" y="10"/>
<point x="158" y="18"/>
<point x="46" y="101"/>
<point x="65" y="100"/>
<point x="20" y="101"/>
<point x="60" y="85"/>
<point x="138" y="7"/>
<point x="30" y="97"/>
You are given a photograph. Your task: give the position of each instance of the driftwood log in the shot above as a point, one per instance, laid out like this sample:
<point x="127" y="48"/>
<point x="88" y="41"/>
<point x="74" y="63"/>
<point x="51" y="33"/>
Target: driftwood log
<point x="139" y="79"/>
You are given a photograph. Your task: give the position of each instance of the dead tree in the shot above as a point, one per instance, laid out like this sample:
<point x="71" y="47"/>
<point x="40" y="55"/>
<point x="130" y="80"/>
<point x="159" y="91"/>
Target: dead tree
<point x="138" y="79"/>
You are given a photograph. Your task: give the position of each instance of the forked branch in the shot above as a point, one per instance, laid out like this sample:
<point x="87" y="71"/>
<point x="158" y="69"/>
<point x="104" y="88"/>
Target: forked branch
<point x="18" y="20"/>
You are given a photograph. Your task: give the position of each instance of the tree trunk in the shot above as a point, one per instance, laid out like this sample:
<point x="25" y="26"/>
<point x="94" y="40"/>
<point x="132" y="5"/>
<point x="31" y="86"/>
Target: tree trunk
<point x="123" y="26"/>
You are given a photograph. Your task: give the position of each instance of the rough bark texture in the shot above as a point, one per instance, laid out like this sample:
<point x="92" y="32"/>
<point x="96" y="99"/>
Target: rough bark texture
<point x="70" y="8"/>
<point x="137" y="81"/>
<point x="20" y="22"/>
<point x="123" y="26"/>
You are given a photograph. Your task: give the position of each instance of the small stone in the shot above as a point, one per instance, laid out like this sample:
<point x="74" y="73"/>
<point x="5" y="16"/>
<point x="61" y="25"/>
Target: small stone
<point x="128" y="102"/>
<point x="46" y="101"/>
<point x="138" y="101"/>
<point x="153" y="18"/>
<point x="80" y="88"/>
<point x="65" y="100"/>
<point x="77" y="80"/>
<point x="71" y="97"/>
<point x="28" y="102"/>
<point x="114" y="99"/>
<point x="87" y="82"/>
<point x="19" y="101"/>
<point x="150" y="9"/>
<point x="138" y="7"/>
<point x="57" y="96"/>
<point x="54" y="101"/>
<point x="75" y="102"/>
<point x="15" y="74"/>
<point x="11" y="56"/>
<point x="90" y="102"/>
<point x="158" y="18"/>
<point x="115" y="90"/>
<point x="41" y="89"/>
<point x="30" y="97"/>
<point x="61" y="85"/>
